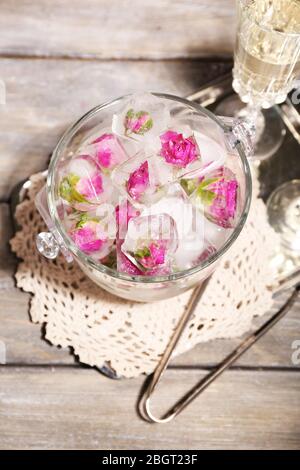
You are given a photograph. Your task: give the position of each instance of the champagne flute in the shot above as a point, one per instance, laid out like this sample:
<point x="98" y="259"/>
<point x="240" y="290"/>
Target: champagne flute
<point x="266" y="64"/>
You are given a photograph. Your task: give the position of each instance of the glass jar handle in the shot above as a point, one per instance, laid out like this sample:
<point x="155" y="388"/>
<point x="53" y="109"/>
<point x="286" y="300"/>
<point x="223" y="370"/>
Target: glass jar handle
<point x="241" y="131"/>
<point x="49" y="244"/>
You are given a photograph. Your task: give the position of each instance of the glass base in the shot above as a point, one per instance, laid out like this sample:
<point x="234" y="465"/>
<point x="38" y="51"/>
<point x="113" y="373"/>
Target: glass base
<point x="270" y="130"/>
<point x="284" y="215"/>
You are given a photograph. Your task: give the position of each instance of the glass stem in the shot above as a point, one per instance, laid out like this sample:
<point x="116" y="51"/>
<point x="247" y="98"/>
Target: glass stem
<point x="254" y="118"/>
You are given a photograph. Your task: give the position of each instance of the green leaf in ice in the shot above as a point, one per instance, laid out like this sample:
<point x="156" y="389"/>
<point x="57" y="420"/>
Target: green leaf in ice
<point x="189" y="185"/>
<point x="203" y="192"/>
<point x="67" y="189"/>
<point x="133" y="122"/>
<point x="83" y="218"/>
<point x="143" y="253"/>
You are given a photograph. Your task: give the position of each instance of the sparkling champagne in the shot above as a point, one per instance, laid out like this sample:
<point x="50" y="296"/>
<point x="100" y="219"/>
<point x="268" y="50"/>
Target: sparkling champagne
<point x="267" y="50"/>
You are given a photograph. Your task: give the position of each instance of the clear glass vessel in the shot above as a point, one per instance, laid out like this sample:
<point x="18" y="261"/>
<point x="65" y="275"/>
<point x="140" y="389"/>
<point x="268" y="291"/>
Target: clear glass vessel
<point x="284" y="216"/>
<point x="141" y="288"/>
<point x="266" y="66"/>
<point x="266" y="58"/>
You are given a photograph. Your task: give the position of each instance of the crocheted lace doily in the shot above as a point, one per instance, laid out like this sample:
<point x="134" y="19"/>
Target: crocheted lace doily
<point x="128" y="337"/>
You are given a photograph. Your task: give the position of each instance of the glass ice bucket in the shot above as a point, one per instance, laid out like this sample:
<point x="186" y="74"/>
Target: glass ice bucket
<point x="141" y="288"/>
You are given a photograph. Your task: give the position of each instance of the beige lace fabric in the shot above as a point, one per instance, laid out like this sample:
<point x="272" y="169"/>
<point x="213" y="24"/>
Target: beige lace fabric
<point x="128" y="337"/>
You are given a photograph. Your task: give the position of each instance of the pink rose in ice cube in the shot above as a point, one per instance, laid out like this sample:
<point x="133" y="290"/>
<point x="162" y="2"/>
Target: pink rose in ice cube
<point x="89" y="236"/>
<point x="154" y="265"/>
<point x="124" y="213"/>
<point x="108" y="151"/>
<point x="141" y="119"/>
<point x="152" y="256"/>
<point x="223" y="208"/>
<point x="83" y="185"/>
<point x="178" y="150"/>
<point x="138" y="181"/>
<point x="150" y="241"/>
<point x="90" y="187"/>
<point x="137" y="122"/>
<point x="124" y="265"/>
<point x="218" y="194"/>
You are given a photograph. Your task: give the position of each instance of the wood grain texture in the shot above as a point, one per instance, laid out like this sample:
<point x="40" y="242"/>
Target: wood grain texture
<point x="45" y="96"/>
<point x="78" y="409"/>
<point x="272" y="350"/>
<point x="25" y="344"/>
<point x="117" y="28"/>
<point x="7" y="259"/>
<point x="24" y="340"/>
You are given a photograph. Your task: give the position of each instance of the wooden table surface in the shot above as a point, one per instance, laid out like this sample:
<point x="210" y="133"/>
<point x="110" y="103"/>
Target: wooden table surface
<point x="57" y="60"/>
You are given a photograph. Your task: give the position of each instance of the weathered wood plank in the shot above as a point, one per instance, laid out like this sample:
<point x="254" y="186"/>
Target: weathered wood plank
<point x="24" y="343"/>
<point x="78" y="409"/>
<point x="45" y="96"/>
<point x="7" y="259"/>
<point x="22" y="339"/>
<point x="117" y="29"/>
<point x="275" y="349"/>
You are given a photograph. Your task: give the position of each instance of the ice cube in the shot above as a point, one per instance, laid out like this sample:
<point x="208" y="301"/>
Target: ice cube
<point x="82" y="183"/>
<point x="189" y="154"/>
<point x="210" y="142"/>
<point x="143" y="118"/>
<point x="140" y="179"/>
<point x="208" y="251"/>
<point x="151" y="241"/>
<point x="216" y="195"/>
<point x="215" y="235"/>
<point x="203" y="125"/>
<point x="179" y="148"/>
<point x="192" y="244"/>
<point x="177" y="206"/>
<point x="213" y="155"/>
<point x="89" y="145"/>
<point x="108" y="151"/>
<point x="90" y="235"/>
<point x="124" y="265"/>
<point x="190" y="225"/>
<point x="124" y="212"/>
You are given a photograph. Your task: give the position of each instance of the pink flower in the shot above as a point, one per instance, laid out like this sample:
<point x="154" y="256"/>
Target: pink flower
<point x="138" y="181"/>
<point x="124" y="212"/>
<point x="85" y="236"/>
<point x="218" y="193"/>
<point x="137" y="122"/>
<point x="177" y="150"/>
<point x="124" y="264"/>
<point x="91" y="187"/>
<point x="152" y="256"/>
<point x="83" y="184"/>
<point x="109" y="151"/>
<point x="223" y="207"/>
